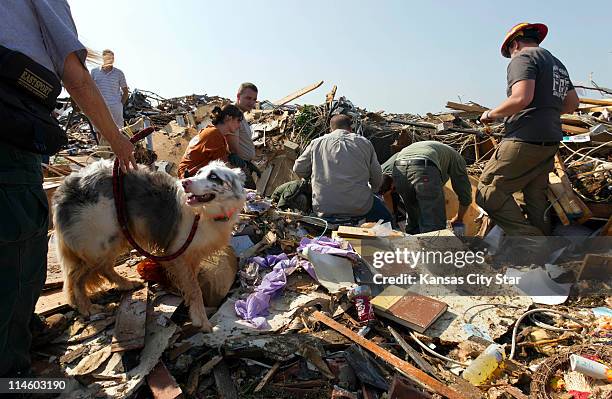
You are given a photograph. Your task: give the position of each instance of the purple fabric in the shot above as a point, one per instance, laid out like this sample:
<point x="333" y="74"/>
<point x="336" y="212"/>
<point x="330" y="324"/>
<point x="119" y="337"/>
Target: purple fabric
<point x="329" y="246"/>
<point x="255" y="307"/>
<point x="268" y="261"/>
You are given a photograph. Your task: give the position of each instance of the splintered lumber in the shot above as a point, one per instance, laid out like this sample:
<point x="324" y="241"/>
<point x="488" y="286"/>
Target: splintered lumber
<point x="267" y="377"/>
<point x="414" y="355"/>
<point x="162" y="384"/>
<point x="574" y="129"/>
<point x="51" y="302"/>
<point x="560" y="171"/>
<point x="297" y="94"/>
<point x="406" y="368"/>
<point x="595" y="109"/>
<point x="595" y="267"/>
<point x="569" y="205"/>
<point x="131" y="319"/>
<point x="593" y="101"/>
<point x="465" y="107"/>
<point x="558" y="209"/>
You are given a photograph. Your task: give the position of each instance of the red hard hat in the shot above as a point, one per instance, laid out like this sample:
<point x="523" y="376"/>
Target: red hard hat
<point x="518" y="30"/>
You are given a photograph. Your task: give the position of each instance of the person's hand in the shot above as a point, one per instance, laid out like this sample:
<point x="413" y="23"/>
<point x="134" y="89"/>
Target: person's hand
<point x="456" y="219"/>
<point x="236" y="161"/>
<point x="124" y="150"/>
<point x="486" y="117"/>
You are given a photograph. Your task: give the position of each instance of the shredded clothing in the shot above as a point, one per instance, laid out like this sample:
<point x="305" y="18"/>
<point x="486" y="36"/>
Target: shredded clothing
<point x="541" y="119"/>
<point x="207" y="146"/>
<point x="110" y="84"/>
<point x="344" y="172"/>
<point x="448" y="161"/>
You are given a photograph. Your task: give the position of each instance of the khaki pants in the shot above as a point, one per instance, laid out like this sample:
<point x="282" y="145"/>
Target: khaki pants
<point x="517" y="166"/>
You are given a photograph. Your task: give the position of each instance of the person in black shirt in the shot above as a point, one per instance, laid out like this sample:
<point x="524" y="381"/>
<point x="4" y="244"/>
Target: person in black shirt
<point x="539" y="92"/>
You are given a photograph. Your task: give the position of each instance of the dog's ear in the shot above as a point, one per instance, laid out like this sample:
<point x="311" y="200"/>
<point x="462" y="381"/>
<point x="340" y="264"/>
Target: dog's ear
<point x="238" y="182"/>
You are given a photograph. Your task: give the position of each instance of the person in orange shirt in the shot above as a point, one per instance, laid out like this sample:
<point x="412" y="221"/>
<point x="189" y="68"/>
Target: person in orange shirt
<point x="211" y="143"/>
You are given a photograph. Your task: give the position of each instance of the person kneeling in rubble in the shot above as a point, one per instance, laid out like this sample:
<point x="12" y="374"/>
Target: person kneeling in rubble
<point x="344" y="173"/>
<point x="210" y="144"/>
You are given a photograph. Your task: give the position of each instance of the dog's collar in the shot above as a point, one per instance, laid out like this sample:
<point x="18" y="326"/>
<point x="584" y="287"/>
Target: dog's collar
<point x="225" y="216"/>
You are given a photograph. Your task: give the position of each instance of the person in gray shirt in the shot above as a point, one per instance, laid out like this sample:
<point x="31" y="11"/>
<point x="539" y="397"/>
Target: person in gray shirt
<point x="44" y="31"/>
<point x="344" y="173"/>
<point x="539" y="91"/>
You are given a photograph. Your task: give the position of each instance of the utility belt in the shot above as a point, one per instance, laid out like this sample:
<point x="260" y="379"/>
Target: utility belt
<point x="28" y="94"/>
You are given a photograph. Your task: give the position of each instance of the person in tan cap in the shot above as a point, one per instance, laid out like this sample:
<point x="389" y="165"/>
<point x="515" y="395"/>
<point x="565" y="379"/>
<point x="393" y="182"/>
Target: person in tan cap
<point x="539" y="91"/>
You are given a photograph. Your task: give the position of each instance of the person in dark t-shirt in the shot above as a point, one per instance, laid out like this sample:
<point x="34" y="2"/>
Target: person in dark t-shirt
<point x="539" y="92"/>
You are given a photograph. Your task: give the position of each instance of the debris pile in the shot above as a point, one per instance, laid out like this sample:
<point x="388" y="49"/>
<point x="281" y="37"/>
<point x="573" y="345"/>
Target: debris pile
<point x="292" y="304"/>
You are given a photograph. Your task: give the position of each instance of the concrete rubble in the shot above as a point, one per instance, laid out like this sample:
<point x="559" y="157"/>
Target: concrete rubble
<point x="312" y="343"/>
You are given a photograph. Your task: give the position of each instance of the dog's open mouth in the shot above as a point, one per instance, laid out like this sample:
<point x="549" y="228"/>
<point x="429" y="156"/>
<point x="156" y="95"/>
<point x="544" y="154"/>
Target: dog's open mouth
<point x="198" y="199"/>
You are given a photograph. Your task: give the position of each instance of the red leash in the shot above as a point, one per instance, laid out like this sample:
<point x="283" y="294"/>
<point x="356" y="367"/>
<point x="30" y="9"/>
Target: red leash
<point x="119" y="194"/>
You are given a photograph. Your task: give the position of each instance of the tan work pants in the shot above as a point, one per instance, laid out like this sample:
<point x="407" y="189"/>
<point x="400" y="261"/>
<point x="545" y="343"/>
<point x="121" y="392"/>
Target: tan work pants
<point x="517" y="167"/>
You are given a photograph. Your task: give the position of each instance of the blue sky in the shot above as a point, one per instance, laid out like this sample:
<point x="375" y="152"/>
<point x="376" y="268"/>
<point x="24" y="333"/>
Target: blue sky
<point x="398" y="56"/>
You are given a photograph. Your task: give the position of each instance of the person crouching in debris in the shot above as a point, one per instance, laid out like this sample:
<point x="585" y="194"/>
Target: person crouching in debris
<point x="344" y="174"/>
<point x="418" y="173"/>
<point x="539" y="91"/>
<point x="211" y="143"/>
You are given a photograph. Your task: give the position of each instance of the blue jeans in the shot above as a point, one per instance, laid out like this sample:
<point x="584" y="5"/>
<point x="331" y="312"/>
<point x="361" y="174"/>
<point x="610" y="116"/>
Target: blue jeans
<point x="378" y="211"/>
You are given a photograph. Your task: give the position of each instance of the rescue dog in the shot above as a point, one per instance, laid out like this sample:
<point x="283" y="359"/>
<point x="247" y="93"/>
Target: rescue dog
<point x="160" y="213"/>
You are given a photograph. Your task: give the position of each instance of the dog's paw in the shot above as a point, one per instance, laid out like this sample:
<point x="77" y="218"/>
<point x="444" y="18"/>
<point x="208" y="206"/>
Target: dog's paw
<point x="129" y="285"/>
<point x="200" y="321"/>
<point x="90" y="309"/>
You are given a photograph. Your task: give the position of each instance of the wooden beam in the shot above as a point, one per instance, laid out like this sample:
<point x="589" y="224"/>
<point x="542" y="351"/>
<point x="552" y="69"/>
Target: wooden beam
<point x="571" y="208"/>
<point x="297" y="94"/>
<point x="595" y="109"/>
<point x="593" y="101"/>
<point x="465" y="107"/>
<point x="267" y="377"/>
<point x="558" y="209"/>
<point x="595" y="267"/>
<point x="408" y="369"/>
<point x="573" y="129"/>
<point x="562" y="173"/>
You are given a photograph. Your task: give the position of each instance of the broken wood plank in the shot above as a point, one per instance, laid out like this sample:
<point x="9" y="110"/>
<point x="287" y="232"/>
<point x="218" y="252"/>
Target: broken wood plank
<point x="594" y="108"/>
<point x="223" y="381"/>
<point x="297" y="94"/>
<point x="267" y="377"/>
<point x="557" y="207"/>
<point x="562" y="173"/>
<point x="566" y="200"/>
<point x="355" y="232"/>
<point x="162" y="384"/>
<point x="414" y="355"/>
<point x="465" y="107"/>
<point x="573" y="129"/>
<point x="130" y="324"/>
<point x="594" y="101"/>
<point x="595" y="267"/>
<point x="409" y="370"/>
<point x="51" y="302"/>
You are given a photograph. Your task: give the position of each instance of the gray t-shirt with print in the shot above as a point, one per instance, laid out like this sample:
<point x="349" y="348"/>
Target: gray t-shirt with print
<point x="540" y="121"/>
